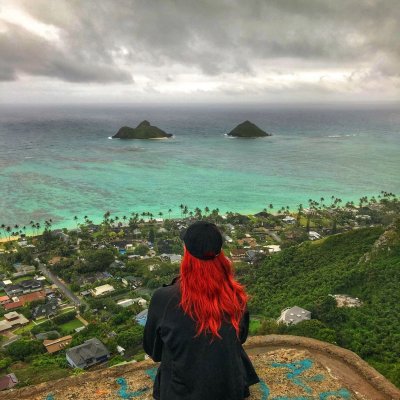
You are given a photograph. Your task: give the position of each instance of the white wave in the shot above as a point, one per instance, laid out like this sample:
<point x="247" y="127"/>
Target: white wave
<point x="110" y="137"/>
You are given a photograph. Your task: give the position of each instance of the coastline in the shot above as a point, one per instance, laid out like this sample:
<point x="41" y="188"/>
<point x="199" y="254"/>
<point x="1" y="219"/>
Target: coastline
<point x="97" y="220"/>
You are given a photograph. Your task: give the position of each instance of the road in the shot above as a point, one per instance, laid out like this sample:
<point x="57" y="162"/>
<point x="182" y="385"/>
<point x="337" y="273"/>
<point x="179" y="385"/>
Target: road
<point x="274" y="236"/>
<point x="61" y="286"/>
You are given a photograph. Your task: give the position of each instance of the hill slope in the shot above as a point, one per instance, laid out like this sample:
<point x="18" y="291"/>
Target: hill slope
<point x="143" y="131"/>
<point x="363" y="263"/>
<point x="248" y="130"/>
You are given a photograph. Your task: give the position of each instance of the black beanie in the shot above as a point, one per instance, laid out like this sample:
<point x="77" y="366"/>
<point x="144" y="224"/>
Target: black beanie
<point x="203" y="240"/>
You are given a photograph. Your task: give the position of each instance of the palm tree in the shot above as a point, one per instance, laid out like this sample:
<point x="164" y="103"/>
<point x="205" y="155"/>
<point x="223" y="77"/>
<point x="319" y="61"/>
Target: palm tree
<point x="206" y="210"/>
<point x="197" y="212"/>
<point x="299" y="213"/>
<point x="169" y="213"/>
<point x="106" y="216"/>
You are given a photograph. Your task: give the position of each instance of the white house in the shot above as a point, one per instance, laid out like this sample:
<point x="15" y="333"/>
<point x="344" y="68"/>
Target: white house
<point x="102" y="290"/>
<point x="294" y="315"/>
<point x="228" y="239"/>
<point x="312" y="235"/>
<point x="289" y="220"/>
<point x="274" y="248"/>
<point x="128" y="302"/>
<point x="172" y="258"/>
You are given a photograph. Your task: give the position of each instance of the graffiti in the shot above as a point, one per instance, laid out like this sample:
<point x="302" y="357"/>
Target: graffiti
<point x="123" y="391"/>
<point x="152" y="372"/>
<point x="125" y="394"/>
<point x="264" y="390"/>
<point x="294" y="375"/>
<point x="343" y="393"/>
<point x="296" y="369"/>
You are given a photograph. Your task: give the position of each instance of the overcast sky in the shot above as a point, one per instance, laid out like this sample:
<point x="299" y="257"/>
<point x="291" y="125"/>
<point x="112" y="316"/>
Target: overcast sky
<point x="199" y="51"/>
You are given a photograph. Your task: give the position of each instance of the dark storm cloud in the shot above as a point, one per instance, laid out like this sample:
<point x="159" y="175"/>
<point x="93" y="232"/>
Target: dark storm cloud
<point x="30" y="54"/>
<point x="103" y="40"/>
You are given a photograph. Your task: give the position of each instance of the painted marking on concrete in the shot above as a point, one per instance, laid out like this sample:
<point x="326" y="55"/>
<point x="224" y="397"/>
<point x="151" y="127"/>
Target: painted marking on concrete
<point x="343" y="393"/>
<point x="264" y="390"/>
<point x="296" y="369"/>
<point x="152" y="372"/>
<point x="124" y="393"/>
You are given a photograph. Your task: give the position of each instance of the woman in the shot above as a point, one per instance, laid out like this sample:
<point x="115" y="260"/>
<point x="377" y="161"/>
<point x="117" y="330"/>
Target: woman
<point x="196" y="326"/>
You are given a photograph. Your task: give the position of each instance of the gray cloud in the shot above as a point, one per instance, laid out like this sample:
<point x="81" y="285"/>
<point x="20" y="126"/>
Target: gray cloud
<point x="111" y="40"/>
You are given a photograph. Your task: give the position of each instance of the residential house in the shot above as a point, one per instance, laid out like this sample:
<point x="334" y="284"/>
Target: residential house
<point x="228" y="239"/>
<point x="247" y="242"/>
<point x="22" y="269"/>
<point x="273" y="248"/>
<point x="13" y="290"/>
<point x="30" y="285"/>
<point x="254" y="255"/>
<point x="59" y="233"/>
<point x="117" y="264"/>
<point x="12" y="320"/>
<point x="53" y="346"/>
<point x="102" y="290"/>
<point x="4" y="300"/>
<point x="46" y="310"/>
<point x="172" y="258"/>
<point x="128" y="302"/>
<point x="8" y="381"/>
<point x="238" y="254"/>
<point x="141" y="318"/>
<point x="294" y="315"/>
<point x="132" y="281"/>
<point x="89" y="353"/>
<point x="343" y="300"/>
<point x="312" y="235"/>
<point x="289" y="220"/>
<point x="25" y="298"/>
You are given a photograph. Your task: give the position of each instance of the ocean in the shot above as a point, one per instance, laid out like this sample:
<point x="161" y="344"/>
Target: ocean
<point x="57" y="162"/>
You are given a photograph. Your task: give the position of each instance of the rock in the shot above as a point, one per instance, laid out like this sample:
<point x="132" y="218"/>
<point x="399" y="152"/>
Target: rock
<point x="143" y="131"/>
<point x="248" y="130"/>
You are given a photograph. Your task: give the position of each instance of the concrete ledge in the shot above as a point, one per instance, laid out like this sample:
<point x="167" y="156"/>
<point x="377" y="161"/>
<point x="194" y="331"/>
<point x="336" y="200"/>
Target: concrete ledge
<point x="341" y="369"/>
<point x="355" y="362"/>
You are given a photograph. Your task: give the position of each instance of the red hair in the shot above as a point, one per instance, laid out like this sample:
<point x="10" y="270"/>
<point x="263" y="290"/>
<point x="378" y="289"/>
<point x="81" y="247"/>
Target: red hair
<point x="210" y="293"/>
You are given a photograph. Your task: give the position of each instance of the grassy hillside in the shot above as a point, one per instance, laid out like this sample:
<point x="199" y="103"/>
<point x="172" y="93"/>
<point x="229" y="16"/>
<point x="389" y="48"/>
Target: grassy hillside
<point x="364" y="263"/>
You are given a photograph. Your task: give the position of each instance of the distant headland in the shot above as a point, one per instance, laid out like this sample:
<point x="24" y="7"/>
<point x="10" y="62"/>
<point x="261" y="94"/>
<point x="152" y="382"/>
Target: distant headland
<point x="143" y="131"/>
<point x="248" y="130"/>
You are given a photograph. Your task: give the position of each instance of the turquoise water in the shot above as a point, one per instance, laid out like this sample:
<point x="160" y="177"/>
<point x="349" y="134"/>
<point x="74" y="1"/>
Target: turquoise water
<point x="57" y="161"/>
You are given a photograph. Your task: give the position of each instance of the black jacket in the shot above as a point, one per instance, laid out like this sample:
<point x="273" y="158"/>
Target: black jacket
<point x="194" y="368"/>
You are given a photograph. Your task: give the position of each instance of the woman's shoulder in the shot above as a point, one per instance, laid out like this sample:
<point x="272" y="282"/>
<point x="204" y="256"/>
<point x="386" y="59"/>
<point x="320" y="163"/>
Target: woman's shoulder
<point x="167" y="291"/>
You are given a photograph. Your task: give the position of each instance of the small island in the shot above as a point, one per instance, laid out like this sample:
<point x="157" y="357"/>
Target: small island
<point x="143" y="131"/>
<point x="248" y="130"/>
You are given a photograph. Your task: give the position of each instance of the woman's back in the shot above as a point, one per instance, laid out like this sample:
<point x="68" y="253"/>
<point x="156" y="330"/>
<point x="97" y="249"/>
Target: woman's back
<point x="196" y="326"/>
<point x="195" y="367"/>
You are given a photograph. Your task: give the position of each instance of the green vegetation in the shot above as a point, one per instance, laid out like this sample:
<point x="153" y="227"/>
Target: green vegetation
<point x="69" y="327"/>
<point x="363" y="263"/>
<point x="143" y="131"/>
<point x="247" y="129"/>
<point x="356" y="253"/>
